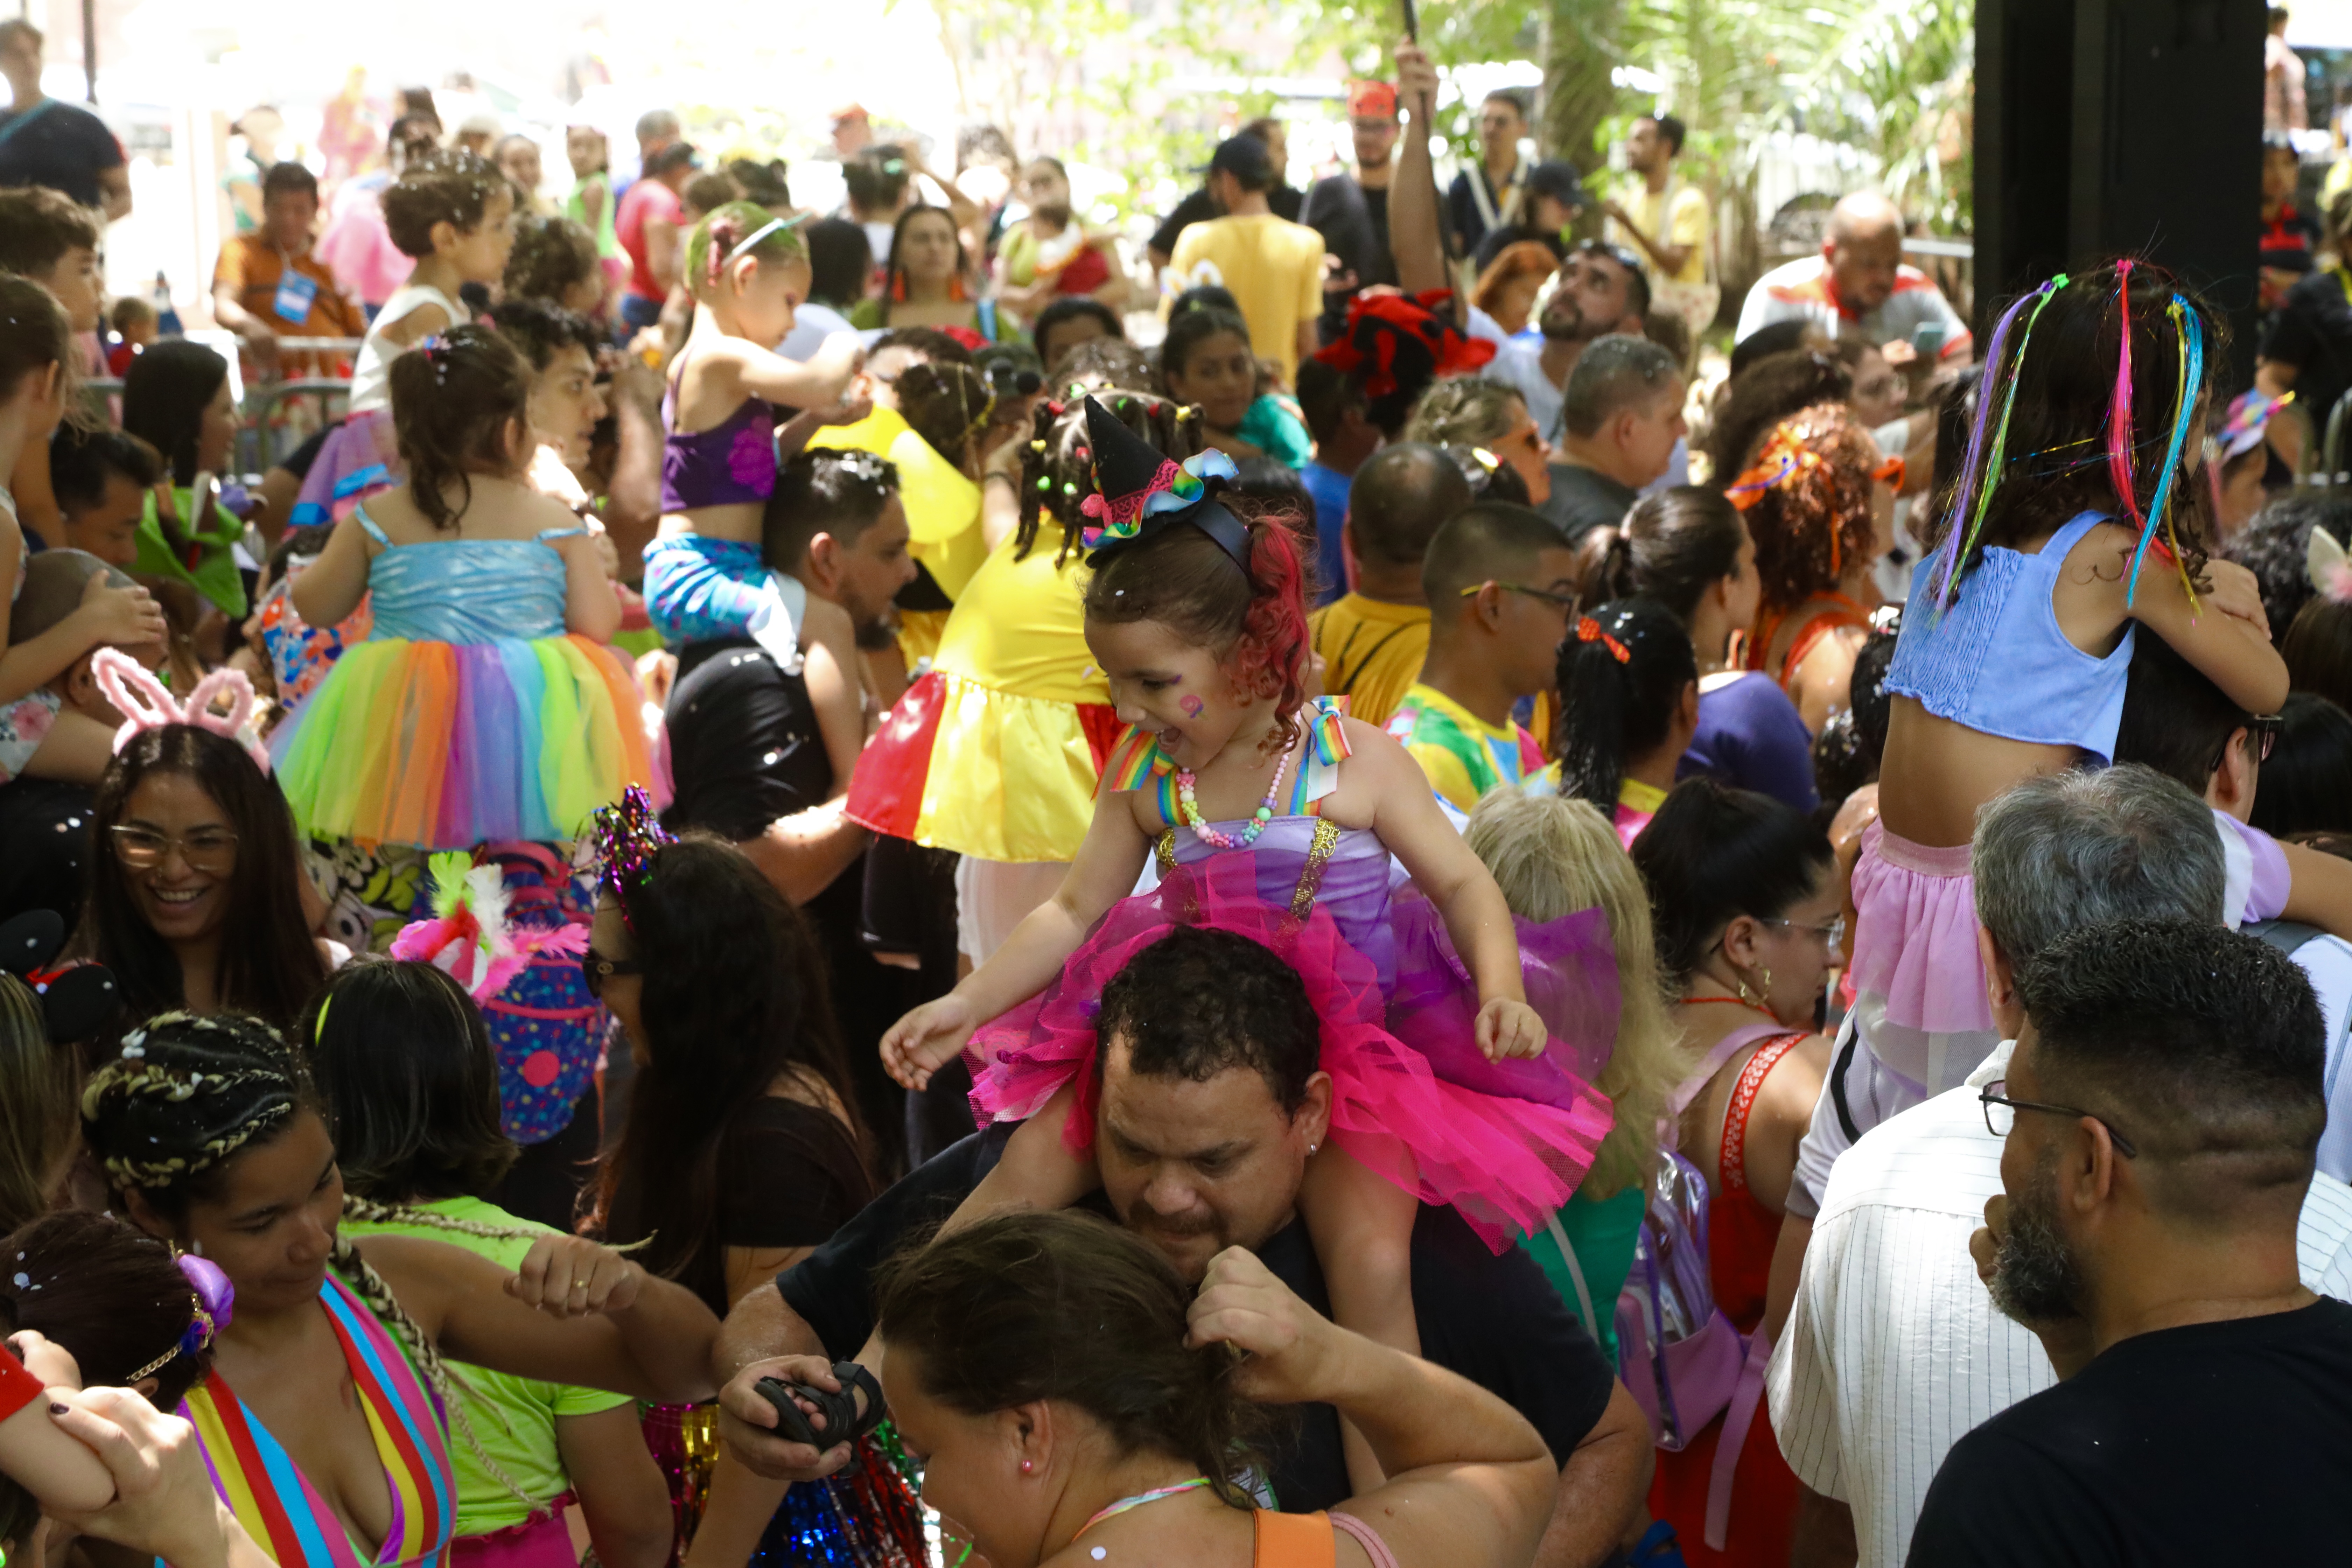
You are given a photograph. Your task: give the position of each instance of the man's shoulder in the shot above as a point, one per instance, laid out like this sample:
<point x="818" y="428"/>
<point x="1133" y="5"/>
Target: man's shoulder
<point x="1935" y="1156"/>
<point x="1800" y="280"/>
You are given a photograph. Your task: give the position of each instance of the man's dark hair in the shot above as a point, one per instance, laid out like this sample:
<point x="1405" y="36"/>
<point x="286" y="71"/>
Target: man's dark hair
<point x="2307" y="780"/>
<point x="2205" y="1047"/>
<point x="1614" y="374"/>
<point x="1671" y="131"/>
<point x="288" y="178"/>
<point x="537" y="327"/>
<point x="1070" y="308"/>
<point x="1400" y="499"/>
<point x="1774" y="338"/>
<point x="1262" y="128"/>
<point x="822" y="490"/>
<point x="2175" y="719"/>
<point x="1325" y="396"/>
<point x="840" y="256"/>
<point x="1488" y="539"/>
<point x="1205" y="296"/>
<point x="1512" y="96"/>
<point x="81" y="461"/>
<point x="1199" y="1002"/>
<point x="929" y="342"/>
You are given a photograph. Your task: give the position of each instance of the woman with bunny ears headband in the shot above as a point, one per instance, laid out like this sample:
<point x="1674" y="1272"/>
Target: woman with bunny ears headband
<point x="194" y="843"/>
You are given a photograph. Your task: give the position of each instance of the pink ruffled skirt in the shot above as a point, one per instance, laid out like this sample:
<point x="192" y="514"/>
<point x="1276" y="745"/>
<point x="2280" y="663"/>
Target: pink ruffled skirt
<point x="1505" y="1143"/>
<point x="1915" y="937"/>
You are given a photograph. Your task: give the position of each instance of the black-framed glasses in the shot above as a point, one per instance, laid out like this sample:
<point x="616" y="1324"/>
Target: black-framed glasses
<point x="212" y="850"/>
<point x="596" y="969"/>
<point x="2263" y="732"/>
<point x="2000" y="1115"/>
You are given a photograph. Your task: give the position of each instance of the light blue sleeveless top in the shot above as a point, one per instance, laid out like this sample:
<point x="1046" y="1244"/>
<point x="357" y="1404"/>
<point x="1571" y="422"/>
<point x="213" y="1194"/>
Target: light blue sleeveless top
<point x="1996" y="660"/>
<point x="467" y="590"/>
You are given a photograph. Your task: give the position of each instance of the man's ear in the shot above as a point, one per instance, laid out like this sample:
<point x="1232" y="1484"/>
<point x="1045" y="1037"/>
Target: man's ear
<point x="2001" y="985"/>
<point x="2232" y="787"/>
<point x="823" y="561"/>
<point x="1312" y="1119"/>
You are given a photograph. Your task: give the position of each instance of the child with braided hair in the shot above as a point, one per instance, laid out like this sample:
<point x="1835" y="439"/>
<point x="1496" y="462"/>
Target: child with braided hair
<point x="323" y="1417"/>
<point x="410" y="1081"/>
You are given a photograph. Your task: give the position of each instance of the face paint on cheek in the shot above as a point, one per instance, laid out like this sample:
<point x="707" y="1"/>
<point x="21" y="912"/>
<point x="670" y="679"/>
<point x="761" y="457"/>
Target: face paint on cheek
<point x="1193" y="707"/>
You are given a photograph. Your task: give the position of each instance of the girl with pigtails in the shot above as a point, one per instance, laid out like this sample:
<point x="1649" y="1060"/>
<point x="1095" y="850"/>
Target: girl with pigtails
<point x="326" y="1415"/>
<point x="1277" y="817"/>
<point x="2078" y="519"/>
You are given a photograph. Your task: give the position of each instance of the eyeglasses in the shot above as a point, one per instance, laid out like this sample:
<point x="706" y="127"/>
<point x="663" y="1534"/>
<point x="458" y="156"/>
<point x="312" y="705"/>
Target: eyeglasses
<point x="596" y="969"/>
<point x="1557" y="601"/>
<point x="209" y="849"/>
<point x="2000" y="1115"/>
<point x="1831" y="933"/>
<point x="2262" y="739"/>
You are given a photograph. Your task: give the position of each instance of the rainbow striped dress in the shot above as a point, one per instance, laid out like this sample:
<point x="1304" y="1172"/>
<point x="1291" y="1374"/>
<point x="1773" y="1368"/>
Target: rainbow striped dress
<point x="255" y="1477"/>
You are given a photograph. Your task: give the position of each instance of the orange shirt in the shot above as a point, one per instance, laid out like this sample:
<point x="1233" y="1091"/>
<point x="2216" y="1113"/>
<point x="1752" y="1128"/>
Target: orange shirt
<point x="254" y="267"/>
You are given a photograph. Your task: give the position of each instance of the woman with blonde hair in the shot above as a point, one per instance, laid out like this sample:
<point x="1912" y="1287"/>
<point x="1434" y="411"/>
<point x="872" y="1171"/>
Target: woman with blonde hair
<point x="1553" y="856"/>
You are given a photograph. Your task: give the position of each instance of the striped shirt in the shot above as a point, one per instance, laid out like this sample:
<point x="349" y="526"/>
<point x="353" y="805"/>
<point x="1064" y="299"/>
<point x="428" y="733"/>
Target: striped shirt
<point x="1893" y="1350"/>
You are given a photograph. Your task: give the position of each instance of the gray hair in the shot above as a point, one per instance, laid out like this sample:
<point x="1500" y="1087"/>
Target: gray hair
<point x="1465" y="410"/>
<point x="2083" y="848"/>
<point x="1612" y="375"/>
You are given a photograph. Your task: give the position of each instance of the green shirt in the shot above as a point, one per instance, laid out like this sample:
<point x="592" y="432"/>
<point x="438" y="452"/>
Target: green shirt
<point x="514" y="1417"/>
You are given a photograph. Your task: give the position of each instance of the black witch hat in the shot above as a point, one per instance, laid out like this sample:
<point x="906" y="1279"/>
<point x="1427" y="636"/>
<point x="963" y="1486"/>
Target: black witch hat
<point x="1139" y="490"/>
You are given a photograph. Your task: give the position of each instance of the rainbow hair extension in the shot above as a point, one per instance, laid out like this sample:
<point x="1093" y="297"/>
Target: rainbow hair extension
<point x="2119" y="412"/>
<point x="2189" y="335"/>
<point x="1980" y="473"/>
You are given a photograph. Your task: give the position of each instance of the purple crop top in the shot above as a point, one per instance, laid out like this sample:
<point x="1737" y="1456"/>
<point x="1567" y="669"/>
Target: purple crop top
<point x="732" y="462"/>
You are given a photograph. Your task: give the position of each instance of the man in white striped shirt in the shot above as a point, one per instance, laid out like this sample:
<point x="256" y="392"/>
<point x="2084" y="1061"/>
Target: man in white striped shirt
<point x="1893" y="1350"/>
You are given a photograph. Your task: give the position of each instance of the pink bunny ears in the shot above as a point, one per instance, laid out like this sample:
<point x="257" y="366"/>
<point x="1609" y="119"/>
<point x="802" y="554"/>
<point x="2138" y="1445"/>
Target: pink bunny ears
<point x="145" y="703"/>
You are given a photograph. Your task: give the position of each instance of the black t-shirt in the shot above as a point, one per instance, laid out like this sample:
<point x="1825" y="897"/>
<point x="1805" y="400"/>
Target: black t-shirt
<point x="2215" y="1443"/>
<point x="44" y="844"/>
<point x="60" y="145"/>
<point x="744" y="746"/>
<point x="1354" y="224"/>
<point x="1584" y="499"/>
<point x="1494" y="1319"/>
<point x="2313" y="333"/>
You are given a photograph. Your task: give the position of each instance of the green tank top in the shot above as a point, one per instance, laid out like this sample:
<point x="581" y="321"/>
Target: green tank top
<point x="608" y="243"/>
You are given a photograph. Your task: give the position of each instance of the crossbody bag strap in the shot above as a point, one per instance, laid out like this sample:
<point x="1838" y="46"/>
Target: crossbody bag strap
<point x="1575" y="1273"/>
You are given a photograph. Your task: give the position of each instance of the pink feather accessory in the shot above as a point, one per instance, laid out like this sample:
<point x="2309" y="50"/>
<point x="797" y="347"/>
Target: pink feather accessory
<point x="146" y="703"/>
<point x="471" y="937"/>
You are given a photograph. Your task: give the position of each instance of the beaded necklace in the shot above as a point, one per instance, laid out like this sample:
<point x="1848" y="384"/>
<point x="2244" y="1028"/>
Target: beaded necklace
<point x="1190" y="808"/>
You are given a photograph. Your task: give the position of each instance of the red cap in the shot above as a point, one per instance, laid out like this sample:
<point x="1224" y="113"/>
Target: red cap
<point x="1371" y="101"/>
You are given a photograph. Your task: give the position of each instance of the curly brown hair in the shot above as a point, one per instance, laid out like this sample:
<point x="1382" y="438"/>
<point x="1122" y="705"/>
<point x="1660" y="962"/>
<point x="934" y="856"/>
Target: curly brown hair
<point x="550" y="255"/>
<point x="1813" y="522"/>
<point x="456" y="188"/>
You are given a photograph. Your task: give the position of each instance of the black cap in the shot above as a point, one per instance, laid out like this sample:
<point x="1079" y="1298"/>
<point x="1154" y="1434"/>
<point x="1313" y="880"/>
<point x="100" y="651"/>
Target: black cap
<point x="1246" y="158"/>
<point x="1558" y="181"/>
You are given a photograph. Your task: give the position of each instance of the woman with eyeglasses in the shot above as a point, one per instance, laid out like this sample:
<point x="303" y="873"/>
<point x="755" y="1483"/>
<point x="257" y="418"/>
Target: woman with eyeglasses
<point x="1746" y="898"/>
<point x="195" y="893"/>
<point x="742" y="1150"/>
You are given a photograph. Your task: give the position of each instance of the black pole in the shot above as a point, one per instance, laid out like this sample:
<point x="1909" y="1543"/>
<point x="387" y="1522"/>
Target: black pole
<point x="89" y="49"/>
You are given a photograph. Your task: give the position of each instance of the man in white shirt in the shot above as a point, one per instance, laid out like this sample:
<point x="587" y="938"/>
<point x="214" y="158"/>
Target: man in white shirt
<point x="1893" y="1350"/>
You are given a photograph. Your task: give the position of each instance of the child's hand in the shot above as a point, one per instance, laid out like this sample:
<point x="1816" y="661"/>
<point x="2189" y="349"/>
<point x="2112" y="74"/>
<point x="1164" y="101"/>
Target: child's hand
<point x="1509" y="1029"/>
<point x="119" y="616"/>
<point x="44" y="1359"/>
<point x="927" y="1040"/>
<point x="2235" y="592"/>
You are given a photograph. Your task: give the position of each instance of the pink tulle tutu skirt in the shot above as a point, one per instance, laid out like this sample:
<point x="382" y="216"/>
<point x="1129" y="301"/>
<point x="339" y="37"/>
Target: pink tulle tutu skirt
<point x="1915" y="936"/>
<point x="1505" y="1143"/>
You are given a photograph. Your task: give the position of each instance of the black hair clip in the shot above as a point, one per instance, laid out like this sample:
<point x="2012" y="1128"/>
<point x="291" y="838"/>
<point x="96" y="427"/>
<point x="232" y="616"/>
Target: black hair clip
<point x="76" y="998"/>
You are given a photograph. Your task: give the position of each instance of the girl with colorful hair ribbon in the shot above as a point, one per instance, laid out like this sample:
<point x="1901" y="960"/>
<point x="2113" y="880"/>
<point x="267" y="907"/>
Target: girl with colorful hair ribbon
<point x="1275" y="817"/>
<point x="2072" y="526"/>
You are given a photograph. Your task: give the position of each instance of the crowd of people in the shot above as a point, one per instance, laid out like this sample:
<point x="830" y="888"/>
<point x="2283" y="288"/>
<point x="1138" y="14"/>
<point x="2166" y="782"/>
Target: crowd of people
<point x="782" y="901"/>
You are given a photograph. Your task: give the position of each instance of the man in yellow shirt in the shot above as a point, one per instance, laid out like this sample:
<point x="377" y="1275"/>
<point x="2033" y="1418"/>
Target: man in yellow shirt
<point x="1500" y="583"/>
<point x="1273" y="268"/>
<point x="1666" y="220"/>
<point x="1372" y="641"/>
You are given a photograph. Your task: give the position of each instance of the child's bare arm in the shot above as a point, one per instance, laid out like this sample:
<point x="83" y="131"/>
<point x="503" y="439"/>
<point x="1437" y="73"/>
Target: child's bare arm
<point x="63" y="1475"/>
<point x="331" y="587"/>
<point x="2225" y="634"/>
<point x="1037" y="1170"/>
<point x="590" y="608"/>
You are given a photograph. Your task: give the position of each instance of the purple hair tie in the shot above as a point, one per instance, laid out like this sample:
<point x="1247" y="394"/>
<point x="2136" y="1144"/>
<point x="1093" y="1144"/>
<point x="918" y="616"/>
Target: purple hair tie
<point x="215" y="1301"/>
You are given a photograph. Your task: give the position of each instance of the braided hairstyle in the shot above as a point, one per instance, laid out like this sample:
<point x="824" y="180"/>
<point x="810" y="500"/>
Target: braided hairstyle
<point x="1619" y="688"/>
<point x="187" y="1095"/>
<point x="1056" y="471"/>
<point x="1811" y="523"/>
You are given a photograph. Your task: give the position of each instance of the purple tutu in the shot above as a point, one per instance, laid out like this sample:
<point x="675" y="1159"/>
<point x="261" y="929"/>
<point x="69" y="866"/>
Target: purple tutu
<point x="358" y="457"/>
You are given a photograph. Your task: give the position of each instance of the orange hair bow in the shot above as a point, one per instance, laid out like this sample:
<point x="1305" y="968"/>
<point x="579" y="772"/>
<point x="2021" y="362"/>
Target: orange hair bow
<point x="1589" y="630"/>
